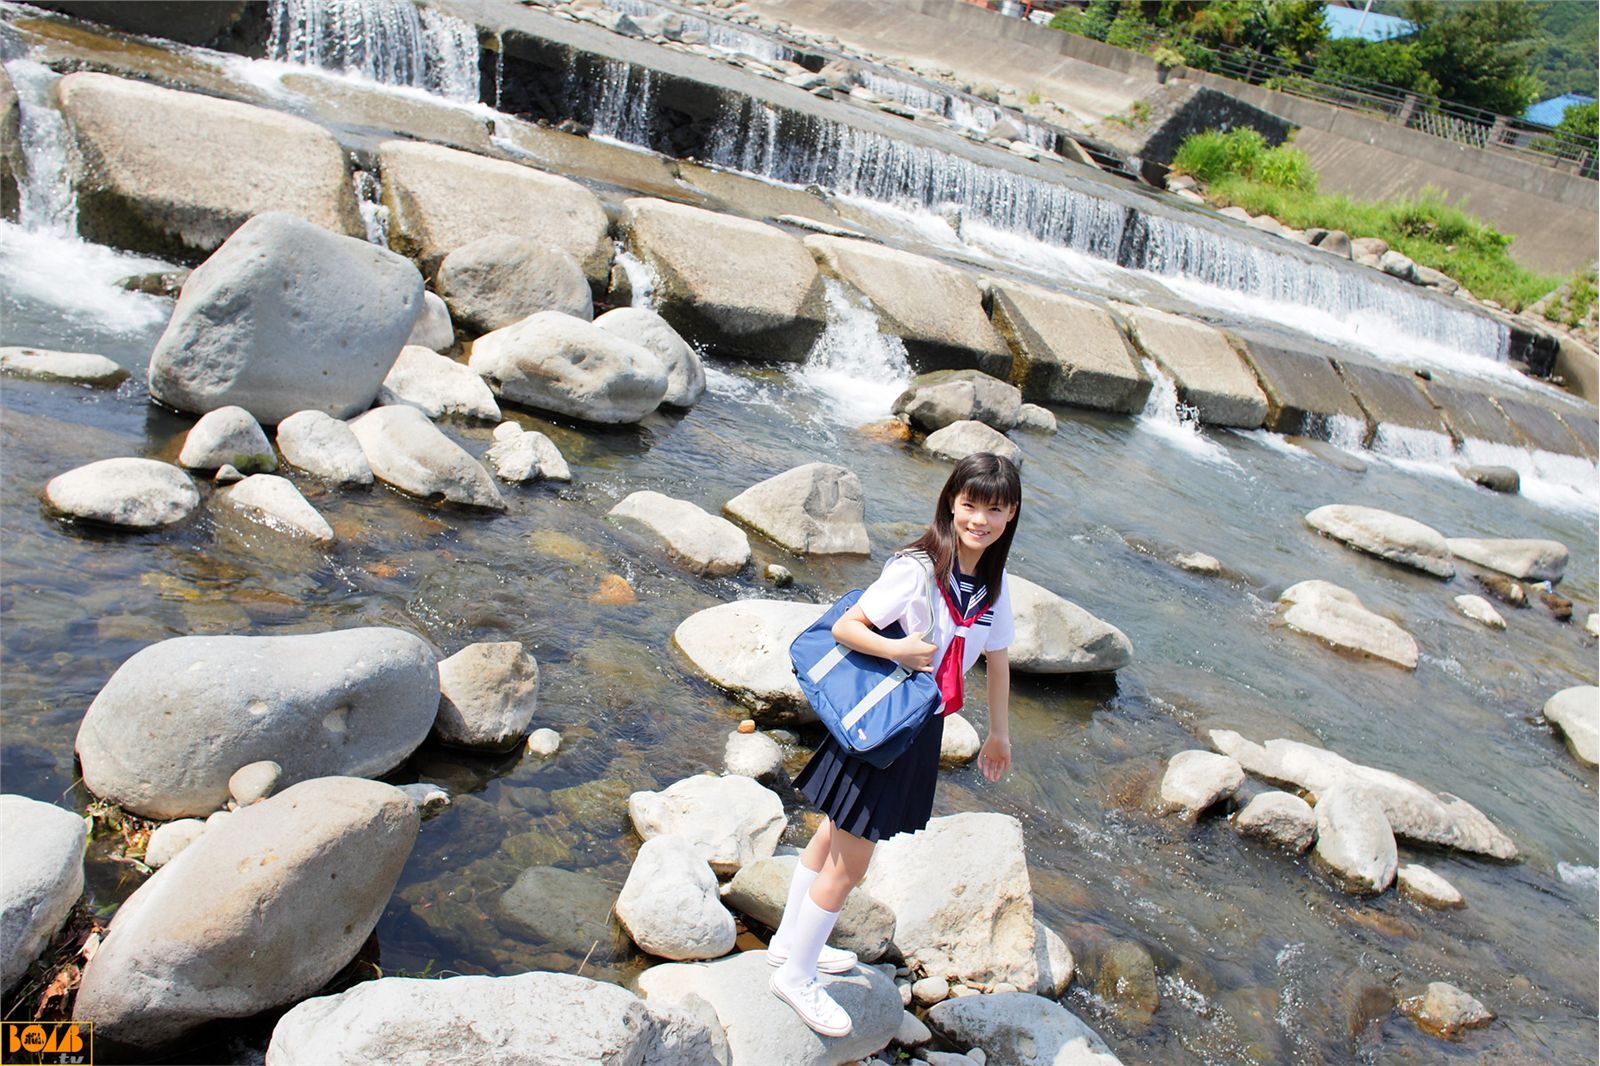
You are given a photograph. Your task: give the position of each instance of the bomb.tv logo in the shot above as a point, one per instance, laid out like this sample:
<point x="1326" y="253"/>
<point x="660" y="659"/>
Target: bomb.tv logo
<point x="47" y="1042"/>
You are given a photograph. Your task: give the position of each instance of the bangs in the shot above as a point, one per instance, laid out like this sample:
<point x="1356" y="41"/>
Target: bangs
<point x="998" y="486"/>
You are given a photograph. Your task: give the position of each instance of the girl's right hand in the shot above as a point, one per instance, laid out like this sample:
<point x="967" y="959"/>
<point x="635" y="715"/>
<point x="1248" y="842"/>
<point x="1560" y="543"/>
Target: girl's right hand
<point x="914" y="653"/>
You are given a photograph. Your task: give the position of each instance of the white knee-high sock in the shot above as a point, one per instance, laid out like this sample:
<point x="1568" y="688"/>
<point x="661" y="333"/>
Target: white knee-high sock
<point x="799" y="887"/>
<point x="805" y="938"/>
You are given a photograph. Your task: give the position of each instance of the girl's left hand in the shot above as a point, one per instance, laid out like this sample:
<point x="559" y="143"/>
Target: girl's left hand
<point x="994" y="758"/>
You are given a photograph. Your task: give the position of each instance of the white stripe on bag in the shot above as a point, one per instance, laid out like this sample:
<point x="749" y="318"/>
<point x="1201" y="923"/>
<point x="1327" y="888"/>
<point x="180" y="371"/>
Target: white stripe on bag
<point x="826" y="663"/>
<point x="870" y="700"/>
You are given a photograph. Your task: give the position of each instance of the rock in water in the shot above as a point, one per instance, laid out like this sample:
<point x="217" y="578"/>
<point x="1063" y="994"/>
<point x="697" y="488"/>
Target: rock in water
<point x="1444" y="1010"/>
<point x="554" y="362"/>
<point x="670" y="906"/>
<point x="1126" y="978"/>
<point x="686" y="376"/>
<point x="554" y="1019"/>
<point x="1196" y="780"/>
<point x="1278" y="818"/>
<point x="1015" y="1027"/>
<point x="961" y="898"/>
<point x="1054" y="958"/>
<point x="815" y="509"/>
<point x="934" y="401"/>
<point x="496" y="281"/>
<point x="488" y="695"/>
<point x="735" y="819"/>
<point x="84" y="367"/>
<point x="276" y="503"/>
<point x="761" y="889"/>
<point x="260" y="911"/>
<point x="700" y="542"/>
<point x="1056" y="636"/>
<point x="178" y="718"/>
<point x="752" y="754"/>
<point x="526" y="455"/>
<point x="437" y="386"/>
<point x="320" y="444"/>
<point x="1494" y="478"/>
<point x="959" y="742"/>
<point x="40" y="882"/>
<point x="961" y="439"/>
<point x="742" y="647"/>
<point x="1427" y="888"/>
<point x="566" y="911"/>
<point x="1324" y="610"/>
<point x="1480" y="610"/>
<point x="762" y="1029"/>
<point x="286" y="317"/>
<point x="1576" y="713"/>
<point x="133" y="493"/>
<point x="228" y="436"/>
<point x="410" y="453"/>
<point x="434" y="329"/>
<point x="1354" y="841"/>
<point x="1525" y="559"/>
<point x="1388" y="536"/>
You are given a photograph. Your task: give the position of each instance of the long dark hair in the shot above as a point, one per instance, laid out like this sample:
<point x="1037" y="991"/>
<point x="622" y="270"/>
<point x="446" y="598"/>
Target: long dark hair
<point x="986" y="478"/>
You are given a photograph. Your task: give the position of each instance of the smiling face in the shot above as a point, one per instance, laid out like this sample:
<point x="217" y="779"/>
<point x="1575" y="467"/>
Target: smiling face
<point x="978" y="524"/>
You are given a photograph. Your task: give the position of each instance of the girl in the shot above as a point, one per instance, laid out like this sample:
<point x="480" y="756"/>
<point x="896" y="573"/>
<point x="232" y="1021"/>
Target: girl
<point x="967" y="544"/>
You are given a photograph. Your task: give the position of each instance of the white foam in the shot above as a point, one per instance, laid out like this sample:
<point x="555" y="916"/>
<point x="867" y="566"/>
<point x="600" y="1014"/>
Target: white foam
<point x="1560" y="482"/>
<point x="1175" y="422"/>
<point x="80" y="279"/>
<point x="856" y="368"/>
<point x="642" y="279"/>
<point x="1582" y="876"/>
<point x="1417" y="445"/>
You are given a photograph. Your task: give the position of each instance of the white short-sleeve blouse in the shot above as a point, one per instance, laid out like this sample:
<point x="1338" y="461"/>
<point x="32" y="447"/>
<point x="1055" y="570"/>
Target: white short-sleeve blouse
<point x="901" y="595"/>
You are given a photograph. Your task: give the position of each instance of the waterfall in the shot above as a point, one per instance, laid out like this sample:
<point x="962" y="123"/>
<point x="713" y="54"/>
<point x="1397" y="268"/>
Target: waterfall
<point x="622" y="109"/>
<point x="1176" y="422"/>
<point x="961" y="110"/>
<point x="857" y="368"/>
<point x="387" y="41"/>
<point x="369" y="200"/>
<point x="1345" y="432"/>
<point x="642" y="279"/>
<point x="719" y="35"/>
<point x="1414" y="445"/>
<point x="47" y="202"/>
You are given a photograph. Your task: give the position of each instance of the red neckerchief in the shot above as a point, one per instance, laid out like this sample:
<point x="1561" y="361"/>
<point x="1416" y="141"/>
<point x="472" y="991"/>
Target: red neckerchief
<point x="949" y="674"/>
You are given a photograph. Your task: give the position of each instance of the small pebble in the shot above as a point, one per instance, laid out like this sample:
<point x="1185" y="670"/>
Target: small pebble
<point x="958" y="991"/>
<point x="254" y="782"/>
<point x="217" y="818"/>
<point x="905" y="993"/>
<point x="930" y="990"/>
<point x="544" y="742"/>
<point x="169" y="839"/>
<point x="426" y="796"/>
<point x="227" y="474"/>
<point x="779" y="575"/>
<point x="747" y="726"/>
<point x="614" y="591"/>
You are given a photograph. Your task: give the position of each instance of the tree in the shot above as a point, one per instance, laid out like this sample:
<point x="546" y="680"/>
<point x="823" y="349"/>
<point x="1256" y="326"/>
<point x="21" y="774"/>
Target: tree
<point x="1385" y="62"/>
<point x="1582" y="120"/>
<point x="1479" y="52"/>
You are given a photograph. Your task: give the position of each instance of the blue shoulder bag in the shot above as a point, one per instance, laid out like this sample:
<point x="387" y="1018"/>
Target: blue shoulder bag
<point x="873" y="707"/>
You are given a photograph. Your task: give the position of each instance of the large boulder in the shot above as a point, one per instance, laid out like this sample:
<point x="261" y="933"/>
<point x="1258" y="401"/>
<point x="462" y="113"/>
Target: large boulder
<point x="1576" y="713"/>
<point x="961" y="898"/>
<point x="433" y="329"/>
<point x="1414" y="812"/>
<point x="1056" y="636"/>
<point x="260" y="911"/>
<point x="499" y="280"/>
<point x="127" y="492"/>
<point x="179" y="717"/>
<point x="1324" y="610"/>
<point x="1355" y="841"/>
<point x="554" y="1019"/>
<point x="733" y="819"/>
<point x="286" y="317"/>
<point x="1388" y="536"/>
<point x="40" y="883"/>
<point x="1524" y="559"/>
<point x="526" y="455"/>
<point x="563" y="911"/>
<point x="1020" y="1030"/>
<point x="742" y="647"/>
<point x="437" y="386"/>
<point x="686" y="376"/>
<point x="707" y="265"/>
<point x="699" y="542"/>
<point x="440" y="199"/>
<point x="935" y="308"/>
<point x="1066" y="350"/>
<point x="409" y="452"/>
<point x="761" y="890"/>
<point x="765" y="1031"/>
<point x="1208" y="371"/>
<point x="554" y="362"/>
<point x="277" y="504"/>
<point x="815" y="509"/>
<point x="961" y="439"/>
<point x="322" y="445"/>
<point x="488" y="695"/>
<point x="227" y="436"/>
<point x="137" y="183"/>
<point x="669" y="904"/>
<point x="933" y="401"/>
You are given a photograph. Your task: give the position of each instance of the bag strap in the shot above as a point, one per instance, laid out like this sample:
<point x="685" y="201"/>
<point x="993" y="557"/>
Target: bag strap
<point x="930" y="587"/>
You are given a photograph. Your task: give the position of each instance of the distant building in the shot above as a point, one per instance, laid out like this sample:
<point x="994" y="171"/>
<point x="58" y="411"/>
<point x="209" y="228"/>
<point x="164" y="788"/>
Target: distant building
<point x="1549" y="112"/>
<point x="1355" y="21"/>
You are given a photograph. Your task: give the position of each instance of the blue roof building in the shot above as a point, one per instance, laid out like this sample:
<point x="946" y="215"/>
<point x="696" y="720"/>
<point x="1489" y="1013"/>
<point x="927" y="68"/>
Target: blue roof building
<point x="1549" y="112"/>
<point x="1369" y="25"/>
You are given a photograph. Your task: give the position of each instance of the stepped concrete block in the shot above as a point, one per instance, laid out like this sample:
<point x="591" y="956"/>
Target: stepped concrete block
<point x="583" y="159"/>
<point x="1585" y="427"/>
<point x="1305" y="395"/>
<point x="1391" y="399"/>
<point x="935" y="308"/>
<point x="1472" y="415"/>
<point x="348" y="102"/>
<point x="1067" y="351"/>
<point x="737" y="287"/>
<point x="440" y="199"/>
<point x="1207" y="370"/>
<point x="1541" y="427"/>
<point x="141" y="183"/>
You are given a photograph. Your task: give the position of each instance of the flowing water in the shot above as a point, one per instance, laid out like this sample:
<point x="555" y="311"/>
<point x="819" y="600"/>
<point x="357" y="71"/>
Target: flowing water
<point x="1258" y="956"/>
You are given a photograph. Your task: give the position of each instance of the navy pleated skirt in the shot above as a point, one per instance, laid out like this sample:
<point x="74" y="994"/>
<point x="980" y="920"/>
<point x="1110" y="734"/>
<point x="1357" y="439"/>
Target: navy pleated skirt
<point x="871" y="803"/>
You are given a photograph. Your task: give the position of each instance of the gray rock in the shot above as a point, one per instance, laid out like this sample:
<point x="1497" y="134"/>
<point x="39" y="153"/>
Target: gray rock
<point x="735" y="819"/>
<point x="814" y="509"/>
<point x="1126" y="979"/>
<point x="699" y="542"/>
<point x="40" y="883"/>
<point x="437" y="386"/>
<point x="1443" y="1010"/>
<point x="1434" y="279"/>
<point x="752" y="755"/>
<point x="1495" y="478"/>
<point x="554" y="362"/>
<point x="277" y="504"/>
<point x="227" y="474"/>
<point x="1354" y="840"/>
<point x="409" y="452"/>
<point x="170" y="838"/>
<point x="670" y="905"/>
<point x="1337" y="242"/>
<point x="1197" y="780"/>
<point x="1480" y="610"/>
<point x="742" y="647"/>
<point x="912" y="1033"/>
<point x="761" y="1028"/>
<point x="1427" y="888"/>
<point x="760" y="890"/>
<point x="178" y="718"/>
<point x="499" y="280"/>
<point x="1054" y="959"/>
<point x="1524" y="559"/>
<point x="961" y="898"/>
<point x="554" y="1019"/>
<point x="134" y="493"/>
<point x="488" y="695"/>
<point x="1397" y="265"/>
<point x="320" y="444"/>
<point x="1576" y="713"/>
<point x="686" y="377"/>
<point x="526" y="455"/>
<point x="1035" y="419"/>
<point x="1388" y="536"/>
<point x="1056" y="636"/>
<point x="254" y="782"/>
<point x="84" y="368"/>
<point x="959" y="742"/>
<point x="1369" y="246"/>
<point x="544" y="742"/>
<point x="570" y="912"/>
<point x="1022" y="1029"/>
<point x="228" y="436"/>
<point x="930" y="990"/>
<point x="934" y="401"/>
<point x="1335" y="615"/>
<point x="304" y="877"/>
<point x="286" y="317"/>
<point x="433" y="329"/>
<point x="961" y="439"/>
<point x="1278" y="818"/>
<point x="1198" y="563"/>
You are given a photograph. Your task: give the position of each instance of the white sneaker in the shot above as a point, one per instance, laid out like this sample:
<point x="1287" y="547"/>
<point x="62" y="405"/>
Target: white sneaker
<point x="832" y="960"/>
<point x="814" y="1006"/>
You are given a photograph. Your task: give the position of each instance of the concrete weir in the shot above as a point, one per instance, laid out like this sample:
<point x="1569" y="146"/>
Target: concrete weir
<point x="1067" y="350"/>
<point x="1305" y="395"/>
<point x="1541" y="427"/>
<point x="1395" y="407"/>
<point x="1472" y="416"/>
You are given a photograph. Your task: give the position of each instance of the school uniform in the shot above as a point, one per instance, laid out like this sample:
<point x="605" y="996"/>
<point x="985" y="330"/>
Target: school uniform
<point x="874" y="803"/>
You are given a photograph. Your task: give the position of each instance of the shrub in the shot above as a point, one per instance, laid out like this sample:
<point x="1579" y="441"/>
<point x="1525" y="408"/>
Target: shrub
<point x="1243" y="152"/>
